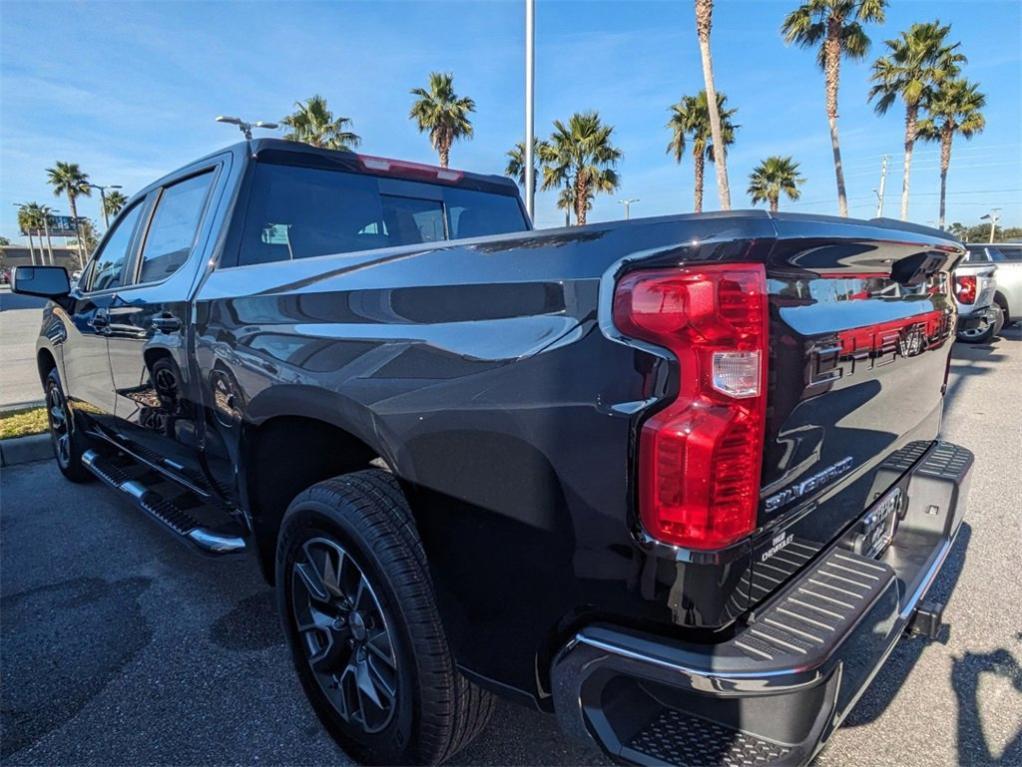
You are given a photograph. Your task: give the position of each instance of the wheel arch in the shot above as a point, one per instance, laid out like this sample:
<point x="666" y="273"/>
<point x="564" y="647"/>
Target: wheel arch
<point x="1002" y="300"/>
<point x="46" y="361"/>
<point x="292" y="438"/>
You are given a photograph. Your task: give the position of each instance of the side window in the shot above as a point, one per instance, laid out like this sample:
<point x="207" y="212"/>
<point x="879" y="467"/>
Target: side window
<point x="108" y="268"/>
<point x="173" y="228"/>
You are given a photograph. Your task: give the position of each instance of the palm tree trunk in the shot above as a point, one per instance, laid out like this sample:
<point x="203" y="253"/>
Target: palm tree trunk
<point x="49" y="242"/>
<point x="699" y="163"/>
<point x="773" y="204"/>
<point x="911" y="117"/>
<point x="704" y="20"/>
<point x="945" y="162"/>
<point x="445" y="155"/>
<point x="832" y="67"/>
<point x="581" y="198"/>
<point x="78" y="231"/>
<point x="31" y="247"/>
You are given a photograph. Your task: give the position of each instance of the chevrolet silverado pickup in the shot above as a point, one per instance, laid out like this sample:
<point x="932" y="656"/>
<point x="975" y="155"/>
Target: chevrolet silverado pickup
<point x="678" y="481"/>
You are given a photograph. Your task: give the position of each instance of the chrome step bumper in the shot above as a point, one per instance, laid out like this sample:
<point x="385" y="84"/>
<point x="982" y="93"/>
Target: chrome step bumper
<point x="177" y="521"/>
<point x="775" y="691"/>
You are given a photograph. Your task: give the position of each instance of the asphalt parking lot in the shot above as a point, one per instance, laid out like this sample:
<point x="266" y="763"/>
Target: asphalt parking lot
<point x="121" y="647"/>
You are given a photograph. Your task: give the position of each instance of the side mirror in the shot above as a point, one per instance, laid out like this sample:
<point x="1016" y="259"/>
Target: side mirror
<point x="46" y="281"/>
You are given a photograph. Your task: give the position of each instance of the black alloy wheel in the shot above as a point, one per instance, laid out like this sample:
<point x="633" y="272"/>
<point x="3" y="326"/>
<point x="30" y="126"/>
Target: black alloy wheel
<point x="345" y="634"/>
<point x="67" y="443"/>
<point x="367" y="639"/>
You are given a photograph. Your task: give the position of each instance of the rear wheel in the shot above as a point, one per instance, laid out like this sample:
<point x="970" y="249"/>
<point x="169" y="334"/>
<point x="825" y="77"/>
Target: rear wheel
<point x="983" y="333"/>
<point x="68" y="444"/>
<point x="357" y="604"/>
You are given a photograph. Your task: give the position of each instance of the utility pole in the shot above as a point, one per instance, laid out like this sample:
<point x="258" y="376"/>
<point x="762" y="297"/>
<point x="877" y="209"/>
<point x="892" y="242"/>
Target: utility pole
<point x="102" y="199"/>
<point x="993" y="217"/>
<point x="628" y="206"/>
<point x="880" y="193"/>
<point x="530" y="102"/>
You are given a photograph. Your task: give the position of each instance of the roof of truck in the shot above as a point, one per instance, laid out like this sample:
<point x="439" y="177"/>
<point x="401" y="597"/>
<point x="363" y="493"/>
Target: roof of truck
<point x="299" y="153"/>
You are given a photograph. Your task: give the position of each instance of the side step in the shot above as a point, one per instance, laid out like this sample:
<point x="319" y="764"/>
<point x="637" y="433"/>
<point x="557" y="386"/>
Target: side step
<point x="174" y="519"/>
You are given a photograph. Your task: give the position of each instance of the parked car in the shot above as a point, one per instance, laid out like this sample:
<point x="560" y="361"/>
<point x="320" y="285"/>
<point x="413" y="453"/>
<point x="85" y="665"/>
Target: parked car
<point x="1008" y="290"/>
<point x="676" y="480"/>
<point x="979" y="317"/>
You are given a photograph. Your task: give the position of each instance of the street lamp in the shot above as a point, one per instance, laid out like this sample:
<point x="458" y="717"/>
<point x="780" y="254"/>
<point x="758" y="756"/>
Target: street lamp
<point x="993" y="217"/>
<point x="246" y="127"/>
<point x="530" y="103"/>
<point x="628" y="206"/>
<point x="102" y="200"/>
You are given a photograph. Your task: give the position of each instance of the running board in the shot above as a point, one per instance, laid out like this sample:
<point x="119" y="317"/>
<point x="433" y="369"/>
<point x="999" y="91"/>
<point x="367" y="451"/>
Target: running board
<point x="174" y="519"/>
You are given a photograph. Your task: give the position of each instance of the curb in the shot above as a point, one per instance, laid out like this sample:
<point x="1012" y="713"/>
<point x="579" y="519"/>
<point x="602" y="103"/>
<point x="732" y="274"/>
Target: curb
<point x="35" y="447"/>
<point x="5" y="408"/>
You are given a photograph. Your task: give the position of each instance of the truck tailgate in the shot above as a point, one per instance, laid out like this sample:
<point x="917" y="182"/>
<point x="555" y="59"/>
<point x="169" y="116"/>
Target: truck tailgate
<point x="861" y="331"/>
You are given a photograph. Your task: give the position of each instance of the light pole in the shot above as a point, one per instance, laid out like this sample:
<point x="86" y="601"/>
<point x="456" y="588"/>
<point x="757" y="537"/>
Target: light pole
<point x="246" y="127"/>
<point x="530" y="101"/>
<point x="102" y="199"/>
<point x="883" y="183"/>
<point x="628" y="206"/>
<point x="993" y="217"/>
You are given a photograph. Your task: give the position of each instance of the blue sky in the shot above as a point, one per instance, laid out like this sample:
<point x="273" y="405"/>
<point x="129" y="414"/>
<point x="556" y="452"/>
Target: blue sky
<point x="130" y="90"/>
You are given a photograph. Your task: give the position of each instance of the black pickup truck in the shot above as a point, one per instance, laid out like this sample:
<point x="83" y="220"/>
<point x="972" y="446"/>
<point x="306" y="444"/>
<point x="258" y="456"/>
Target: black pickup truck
<point x="677" y="480"/>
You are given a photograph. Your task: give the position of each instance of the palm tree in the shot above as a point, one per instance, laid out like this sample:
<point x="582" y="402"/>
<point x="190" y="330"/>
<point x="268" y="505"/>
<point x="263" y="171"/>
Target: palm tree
<point x="313" y="123"/>
<point x="954" y="108"/>
<point x="113" y="204"/>
<point x="89" y="238"/>
<point x="442" y="113"/>
<point x="916" y="64"/>
<point x="581" y="156"/>
<point x="37" y="216"/>
<point x="26" y="224"/>
<point x="516" y="161"/>
<point x="67" y="178"/>
<point x="691" y="117"/>
<point x="837" y="24"/>
<point x="772" y="177"/>
<point x="704" y="20"/>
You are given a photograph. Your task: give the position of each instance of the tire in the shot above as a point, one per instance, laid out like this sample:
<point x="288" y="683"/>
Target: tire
<point x="357" y="606"/>
<point x="981" y="337"/>
<point x="68" y="443"/>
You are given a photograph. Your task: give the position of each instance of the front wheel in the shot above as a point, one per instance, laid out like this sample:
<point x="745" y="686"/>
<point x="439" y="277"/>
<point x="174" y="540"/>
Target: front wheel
<point x="358" y="609"/>
<point x="68" y="443"/>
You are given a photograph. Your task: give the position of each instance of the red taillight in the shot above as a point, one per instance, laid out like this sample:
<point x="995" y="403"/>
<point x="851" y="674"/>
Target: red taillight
<point x="965" y="288"/>
<point x="700" y="457"/>
<point x="407" y="169"/>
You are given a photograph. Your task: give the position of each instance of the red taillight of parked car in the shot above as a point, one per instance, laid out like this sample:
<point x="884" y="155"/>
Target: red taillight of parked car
<point x="700" y="457"/>
<point x="965" y="288"/>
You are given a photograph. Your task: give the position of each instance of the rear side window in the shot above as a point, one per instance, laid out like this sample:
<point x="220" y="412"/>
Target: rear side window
<point x="108" y="269"/>
<point x="174" y="226"/>
<point x="301" y="212"/>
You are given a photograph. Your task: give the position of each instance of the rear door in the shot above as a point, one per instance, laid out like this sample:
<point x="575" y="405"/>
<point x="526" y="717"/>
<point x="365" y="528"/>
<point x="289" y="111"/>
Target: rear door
<point x="861" y="330"/>
<point x="157" y="401"/>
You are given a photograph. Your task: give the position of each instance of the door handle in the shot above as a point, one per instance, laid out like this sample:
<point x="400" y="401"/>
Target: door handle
<point x="166" y="323"/>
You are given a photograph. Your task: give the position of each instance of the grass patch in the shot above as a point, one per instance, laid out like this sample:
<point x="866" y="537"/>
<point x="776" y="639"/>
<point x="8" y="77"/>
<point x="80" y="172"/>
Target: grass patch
<point x="21" y="423"/>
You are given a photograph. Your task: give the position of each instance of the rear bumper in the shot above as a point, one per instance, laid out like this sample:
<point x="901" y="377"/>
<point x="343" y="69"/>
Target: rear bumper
<point x="980" y="318"/>
<point x="776" y="690"/>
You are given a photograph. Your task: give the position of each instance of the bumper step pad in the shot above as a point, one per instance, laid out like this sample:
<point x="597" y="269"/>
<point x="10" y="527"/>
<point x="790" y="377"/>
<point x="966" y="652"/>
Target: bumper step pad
<point x="674" y="737"/>
<point x="817" y="610"/>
